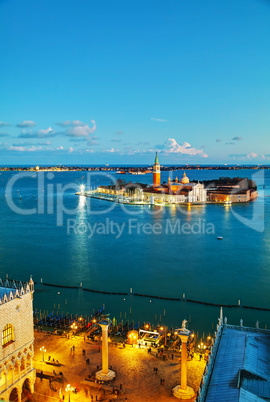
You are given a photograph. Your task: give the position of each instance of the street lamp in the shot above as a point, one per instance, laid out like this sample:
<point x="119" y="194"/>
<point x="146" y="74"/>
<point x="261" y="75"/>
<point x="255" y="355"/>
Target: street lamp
<point x="132" y="337"/>
<point x="202" y="347"/>
<point x="43" y="350"/>
<point x="69" y="389"/>
<point x="165" y="334"/>
<point x="74" y="328"/>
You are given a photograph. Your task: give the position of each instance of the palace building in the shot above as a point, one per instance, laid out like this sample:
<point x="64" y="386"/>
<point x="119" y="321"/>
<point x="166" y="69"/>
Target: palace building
<point x="17" y="375"/>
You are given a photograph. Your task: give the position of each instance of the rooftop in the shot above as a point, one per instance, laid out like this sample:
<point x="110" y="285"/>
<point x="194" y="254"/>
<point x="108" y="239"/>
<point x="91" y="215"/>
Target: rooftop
<point x="242" y="367"/>
<point x="12" y="289"/>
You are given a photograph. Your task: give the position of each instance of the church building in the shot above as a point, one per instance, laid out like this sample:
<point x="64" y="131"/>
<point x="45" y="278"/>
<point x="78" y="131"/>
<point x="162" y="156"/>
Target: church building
<point x="174" y="191"/>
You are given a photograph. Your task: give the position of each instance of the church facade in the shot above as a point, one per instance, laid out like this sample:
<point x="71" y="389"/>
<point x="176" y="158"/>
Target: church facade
<point x="17" y="375"/>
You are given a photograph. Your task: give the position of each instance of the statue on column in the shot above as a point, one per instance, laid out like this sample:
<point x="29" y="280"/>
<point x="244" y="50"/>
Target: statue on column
<point x="184" y="324"/>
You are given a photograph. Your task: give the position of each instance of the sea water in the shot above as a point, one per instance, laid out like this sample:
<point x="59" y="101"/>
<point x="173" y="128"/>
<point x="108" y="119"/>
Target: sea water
<point x="161" y="251"/>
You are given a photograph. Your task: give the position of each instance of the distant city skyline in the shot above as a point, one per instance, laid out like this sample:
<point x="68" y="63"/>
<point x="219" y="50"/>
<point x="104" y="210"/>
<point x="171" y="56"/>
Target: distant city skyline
<point x="113" y="82"/>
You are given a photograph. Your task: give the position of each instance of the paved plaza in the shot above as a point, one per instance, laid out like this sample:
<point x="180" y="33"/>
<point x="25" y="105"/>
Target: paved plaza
<point x="134" y="369"/>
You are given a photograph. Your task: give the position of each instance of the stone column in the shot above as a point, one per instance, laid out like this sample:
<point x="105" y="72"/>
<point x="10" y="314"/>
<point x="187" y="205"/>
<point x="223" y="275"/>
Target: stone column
<point x="105" y="374"/>
<point x="183" y="391"/>
<point x="184" y="340"/>
<point x="105" y="350"/>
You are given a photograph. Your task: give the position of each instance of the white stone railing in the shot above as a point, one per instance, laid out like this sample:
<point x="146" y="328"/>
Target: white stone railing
<point x="209" y="366"/>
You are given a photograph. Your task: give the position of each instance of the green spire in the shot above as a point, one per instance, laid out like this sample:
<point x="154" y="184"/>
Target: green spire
<point x="156" y="160"/>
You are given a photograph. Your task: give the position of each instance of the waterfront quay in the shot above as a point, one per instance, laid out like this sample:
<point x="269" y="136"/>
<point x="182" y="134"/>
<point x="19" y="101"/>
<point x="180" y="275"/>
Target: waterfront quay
<point x="78" y="359"/>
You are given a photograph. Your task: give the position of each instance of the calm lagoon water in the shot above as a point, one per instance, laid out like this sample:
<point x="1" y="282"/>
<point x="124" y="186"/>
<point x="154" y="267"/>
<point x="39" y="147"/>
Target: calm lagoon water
<point x="162" y="264"/>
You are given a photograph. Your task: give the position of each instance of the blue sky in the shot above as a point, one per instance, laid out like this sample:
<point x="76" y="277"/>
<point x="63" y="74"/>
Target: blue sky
<point x="114" y="81"/>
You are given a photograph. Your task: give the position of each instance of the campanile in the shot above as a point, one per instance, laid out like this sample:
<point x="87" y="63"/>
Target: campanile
<point x="156" y="172"/>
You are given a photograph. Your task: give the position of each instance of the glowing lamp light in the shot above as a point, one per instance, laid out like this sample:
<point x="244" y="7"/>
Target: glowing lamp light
<point x="69" y="389"/>
<point x="82" y="188"/>
<point x="132" y="336"/>
<point x="43" y="350"/>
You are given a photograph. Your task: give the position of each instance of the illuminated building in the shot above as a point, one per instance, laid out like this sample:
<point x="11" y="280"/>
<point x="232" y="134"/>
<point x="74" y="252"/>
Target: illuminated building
<point x="175" y="191"/>
<point x="232" y="195"/>
<point x="17" y="375"/>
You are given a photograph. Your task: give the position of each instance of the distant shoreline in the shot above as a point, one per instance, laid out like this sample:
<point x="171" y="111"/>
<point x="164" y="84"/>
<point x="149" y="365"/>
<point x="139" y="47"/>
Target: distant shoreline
<point x="127" y="169"/>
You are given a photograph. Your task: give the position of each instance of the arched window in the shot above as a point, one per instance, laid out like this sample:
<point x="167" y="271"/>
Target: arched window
<point x="7" y="335"/>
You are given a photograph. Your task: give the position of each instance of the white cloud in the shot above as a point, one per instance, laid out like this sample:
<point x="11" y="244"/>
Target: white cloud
<point x="33" y="149"/>
<point x="24" y="149"/>
<point x="49" y="132"/>
<point x="63" y="124"/>
<point x="171" y="146"/>
<point x="159" y="120"/>
<point x="252" y="155"/>
<point x="77" y="123"/>
<point x="70" y="149"/>
<point x="68" y="123"/>
<point x="45" y="132"/>
<point x="17" y="148"/>
<point x="81" y="130"/>
<point x="26" y="123"/>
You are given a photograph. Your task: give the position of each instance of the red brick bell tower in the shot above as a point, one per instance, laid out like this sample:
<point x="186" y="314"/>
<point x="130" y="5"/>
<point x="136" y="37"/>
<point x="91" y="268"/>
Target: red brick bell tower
<point x="156" y="172"/>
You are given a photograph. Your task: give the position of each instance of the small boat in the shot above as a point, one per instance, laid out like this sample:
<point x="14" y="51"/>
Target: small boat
<point x="219" y="238"/>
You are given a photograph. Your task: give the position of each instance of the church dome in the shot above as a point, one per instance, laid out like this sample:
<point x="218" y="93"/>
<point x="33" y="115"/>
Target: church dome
<point x="185" y="179"/>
